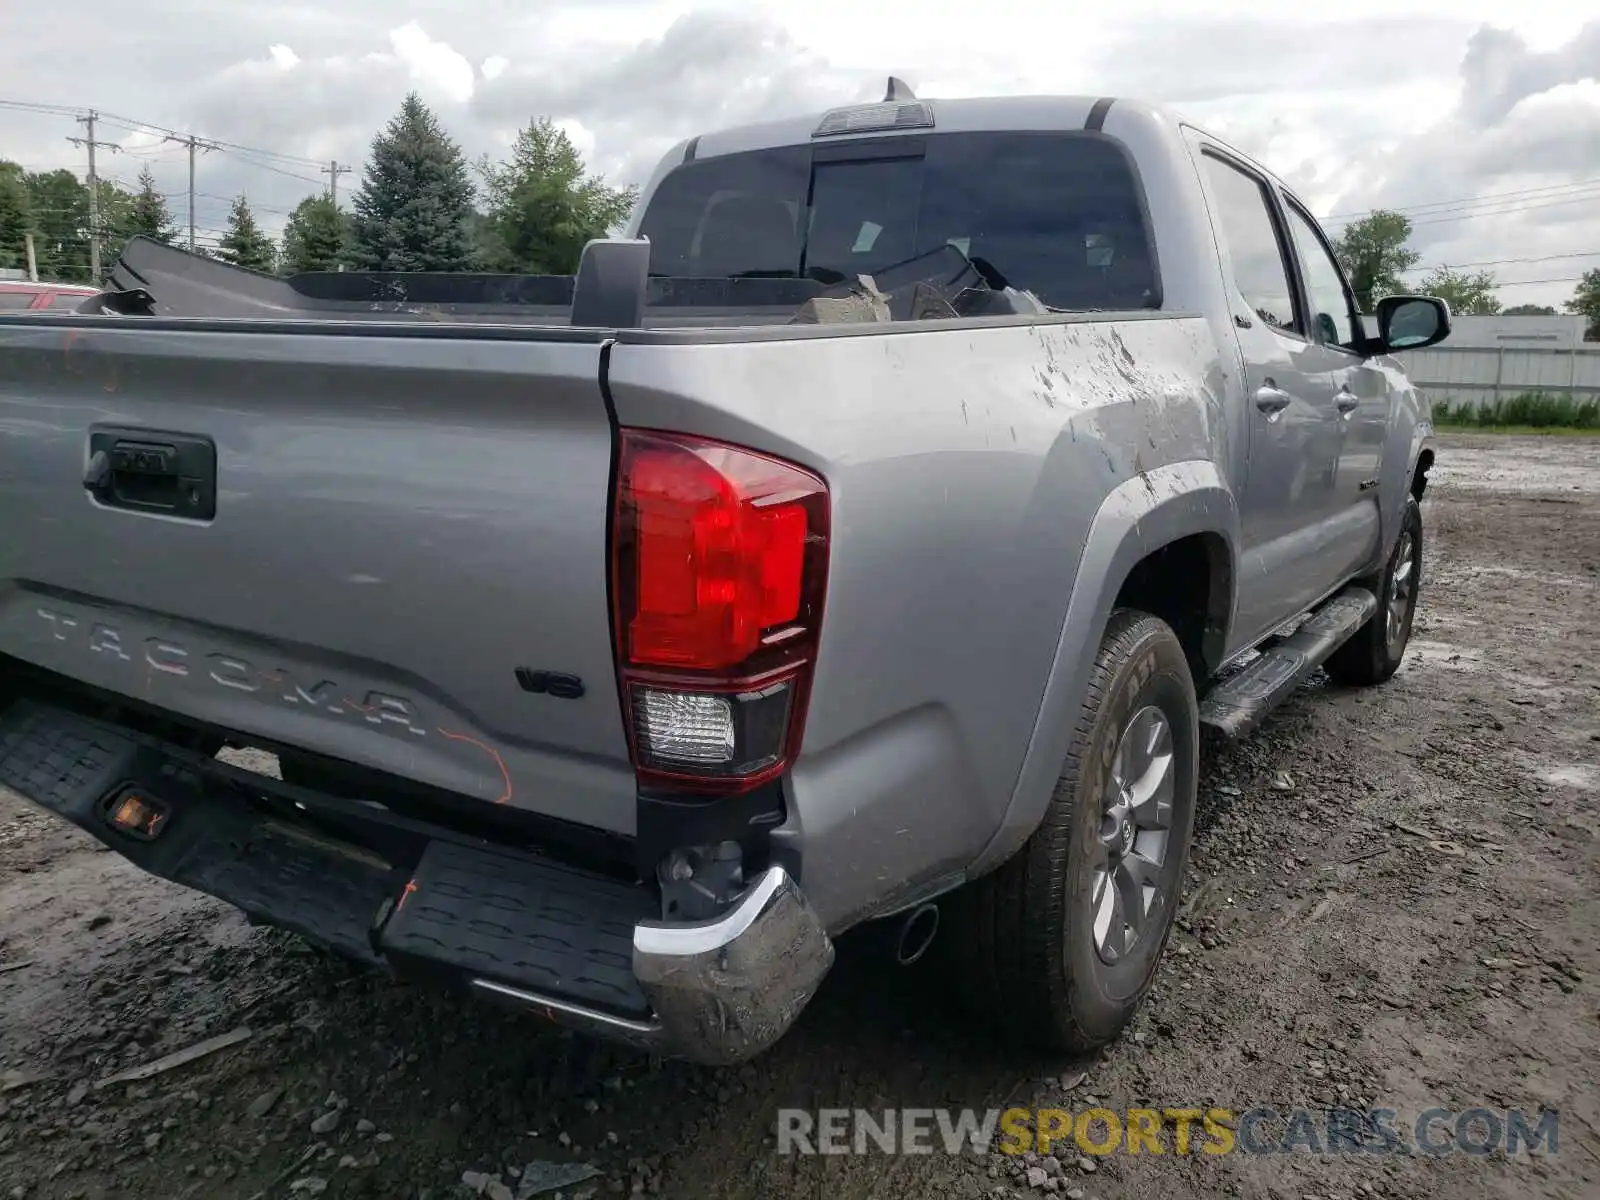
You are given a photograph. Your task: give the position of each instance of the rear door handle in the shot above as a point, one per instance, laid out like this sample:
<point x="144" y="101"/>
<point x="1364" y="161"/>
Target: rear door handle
<point x="1347" y="402"/>
<point x="1272" y="400"/>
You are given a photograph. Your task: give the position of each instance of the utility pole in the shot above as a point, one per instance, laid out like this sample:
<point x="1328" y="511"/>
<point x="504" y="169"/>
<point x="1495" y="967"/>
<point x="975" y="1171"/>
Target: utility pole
<point x="94" y="192"/>
<point x="333" y="170"/>
<point x="194" y="144"/>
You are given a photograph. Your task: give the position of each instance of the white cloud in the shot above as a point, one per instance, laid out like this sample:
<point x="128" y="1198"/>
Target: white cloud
<point x="436" y="67"/>
<point x="1370" y="102"/>
<point x="582" y="136"/>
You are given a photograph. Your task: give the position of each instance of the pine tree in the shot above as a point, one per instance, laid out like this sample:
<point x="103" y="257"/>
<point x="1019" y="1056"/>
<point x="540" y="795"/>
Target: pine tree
<point x="148" y="215"/>
<point x="544" y="206"/>
<point x="316" y="237"/>
<point x="244" y="244"/>
<point x="415" y="199"/>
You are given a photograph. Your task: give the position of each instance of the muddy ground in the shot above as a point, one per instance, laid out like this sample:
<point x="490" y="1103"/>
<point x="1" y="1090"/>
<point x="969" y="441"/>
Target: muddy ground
<point x="1393" y="903"/>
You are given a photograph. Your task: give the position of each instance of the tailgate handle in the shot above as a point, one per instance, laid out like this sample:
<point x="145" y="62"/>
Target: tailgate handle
<point x="145" y="471"/>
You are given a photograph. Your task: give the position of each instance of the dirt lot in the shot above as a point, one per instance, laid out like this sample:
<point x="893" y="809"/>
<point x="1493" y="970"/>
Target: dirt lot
<point x="1393" y="903"/>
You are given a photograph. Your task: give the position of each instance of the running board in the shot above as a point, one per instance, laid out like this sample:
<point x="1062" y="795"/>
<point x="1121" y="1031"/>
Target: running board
<point x="1238" y="705"/>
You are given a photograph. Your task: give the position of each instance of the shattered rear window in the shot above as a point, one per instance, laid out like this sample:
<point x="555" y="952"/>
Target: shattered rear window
<point x="1057" y="214"/>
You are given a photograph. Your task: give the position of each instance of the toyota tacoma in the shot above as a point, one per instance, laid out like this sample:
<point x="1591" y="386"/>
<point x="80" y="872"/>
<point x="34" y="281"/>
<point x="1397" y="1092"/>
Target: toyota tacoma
<point x="862" y="539"/>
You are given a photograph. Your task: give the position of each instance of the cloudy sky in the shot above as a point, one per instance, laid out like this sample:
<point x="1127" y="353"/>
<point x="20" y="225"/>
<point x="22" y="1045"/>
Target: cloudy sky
<point x="1481" y="120"/>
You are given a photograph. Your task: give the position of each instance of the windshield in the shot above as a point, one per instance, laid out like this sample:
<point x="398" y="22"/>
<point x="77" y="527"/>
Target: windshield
<point x="1057" y="214"/>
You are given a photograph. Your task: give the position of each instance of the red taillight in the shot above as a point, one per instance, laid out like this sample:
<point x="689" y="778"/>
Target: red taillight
<point x="720" y="562"/>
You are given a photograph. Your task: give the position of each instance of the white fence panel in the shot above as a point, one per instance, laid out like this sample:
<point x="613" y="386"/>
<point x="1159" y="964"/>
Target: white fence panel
<point x="1483" y="375"/>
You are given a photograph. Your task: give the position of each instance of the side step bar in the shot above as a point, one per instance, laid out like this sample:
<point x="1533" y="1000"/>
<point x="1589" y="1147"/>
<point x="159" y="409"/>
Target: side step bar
<point x="1237" y="706"/>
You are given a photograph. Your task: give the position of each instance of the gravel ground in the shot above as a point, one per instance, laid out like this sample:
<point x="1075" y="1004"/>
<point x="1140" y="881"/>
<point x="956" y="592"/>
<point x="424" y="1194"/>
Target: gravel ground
<point x="1392" y="903"/>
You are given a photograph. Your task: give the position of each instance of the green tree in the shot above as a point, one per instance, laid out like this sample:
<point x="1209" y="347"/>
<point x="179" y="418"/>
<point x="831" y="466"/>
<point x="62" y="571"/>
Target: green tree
<point x="1586" y="302"/>
<point x="148" y="215"/>
<point x="1471" y="293"/>
<point x="16" y="216"/>
<point x="1373" y="253"/>
<point x="315" y="238"/>
<point x="415" y="199"/>
<point x="114" y="206"/>
<point x="60" y="204"/>
<point x="244" y="244"/>
<point x="1530" y="310"/>
<point x="543" y="205"/>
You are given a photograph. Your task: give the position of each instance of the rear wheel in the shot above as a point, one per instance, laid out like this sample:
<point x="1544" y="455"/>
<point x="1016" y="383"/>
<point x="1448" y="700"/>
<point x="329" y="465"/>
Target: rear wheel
<point x="1374" y="653"/>
<point x="1061" y="944"/>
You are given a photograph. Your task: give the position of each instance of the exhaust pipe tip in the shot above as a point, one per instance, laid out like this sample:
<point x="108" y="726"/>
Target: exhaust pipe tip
<point x="916" y="934"/>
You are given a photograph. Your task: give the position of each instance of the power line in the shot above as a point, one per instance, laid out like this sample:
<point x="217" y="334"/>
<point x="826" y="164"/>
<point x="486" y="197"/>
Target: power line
<point x="1465" y="200"/>
<point x="134" y="125"/>
<point x="277" y="170"/>
<point x="1588" y="198"/>
<point x="53" y="110"/>
<point x="1500" y="262"/>
<point x="137" y="126"/>
<point x="1531" y="282"/>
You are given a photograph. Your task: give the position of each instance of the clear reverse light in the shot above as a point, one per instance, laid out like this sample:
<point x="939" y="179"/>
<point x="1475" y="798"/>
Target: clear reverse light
<point x="685" y="727"/>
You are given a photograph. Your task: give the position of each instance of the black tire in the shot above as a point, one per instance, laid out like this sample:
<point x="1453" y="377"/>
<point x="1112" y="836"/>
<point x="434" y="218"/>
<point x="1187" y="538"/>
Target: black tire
<point x="1372" y="655"/>
<point x="1029" y="959"/>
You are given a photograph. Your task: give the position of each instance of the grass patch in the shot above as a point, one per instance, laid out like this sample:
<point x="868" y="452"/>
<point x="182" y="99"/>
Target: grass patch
<point x="1526" y="430"/>
<point x="1531" y="412"/>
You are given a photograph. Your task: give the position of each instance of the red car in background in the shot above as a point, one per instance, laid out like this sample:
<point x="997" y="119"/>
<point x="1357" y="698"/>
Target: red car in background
<point x="18" y="294"/>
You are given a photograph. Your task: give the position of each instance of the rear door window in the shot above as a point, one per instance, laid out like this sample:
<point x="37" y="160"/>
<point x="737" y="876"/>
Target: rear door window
<point x="1255" y="252"/>
<point x="12" y="301"/>
<point x="1058" y="214"/>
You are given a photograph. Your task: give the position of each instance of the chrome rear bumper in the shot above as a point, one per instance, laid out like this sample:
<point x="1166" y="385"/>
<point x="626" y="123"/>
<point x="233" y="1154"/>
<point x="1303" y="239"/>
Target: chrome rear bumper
<point x="720" y="991"/>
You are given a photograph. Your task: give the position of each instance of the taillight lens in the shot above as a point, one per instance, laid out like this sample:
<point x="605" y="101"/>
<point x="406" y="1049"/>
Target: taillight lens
<point x="720" y="563"/>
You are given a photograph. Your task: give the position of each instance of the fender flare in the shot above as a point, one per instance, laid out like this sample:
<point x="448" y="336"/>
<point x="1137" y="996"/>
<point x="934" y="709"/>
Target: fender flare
<point x="1139" y="517"/>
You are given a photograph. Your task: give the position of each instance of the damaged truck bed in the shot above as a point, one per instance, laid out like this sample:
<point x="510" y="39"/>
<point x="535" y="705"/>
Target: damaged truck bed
<point x="862" y="538"/>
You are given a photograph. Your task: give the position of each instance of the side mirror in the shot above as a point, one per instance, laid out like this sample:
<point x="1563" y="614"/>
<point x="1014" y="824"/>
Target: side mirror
<point x="1411" y="322"/>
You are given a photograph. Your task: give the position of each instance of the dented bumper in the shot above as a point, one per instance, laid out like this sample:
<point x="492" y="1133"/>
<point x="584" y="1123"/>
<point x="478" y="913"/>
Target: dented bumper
<point x="720" y="991"/>
<point x="582" y="949"/>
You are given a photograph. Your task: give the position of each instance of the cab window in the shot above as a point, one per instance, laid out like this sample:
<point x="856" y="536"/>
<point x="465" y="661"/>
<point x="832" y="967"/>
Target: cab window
<point x="1332" y="315"/>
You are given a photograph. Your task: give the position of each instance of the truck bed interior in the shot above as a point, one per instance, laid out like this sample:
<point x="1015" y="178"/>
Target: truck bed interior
<point x="156" y="280"/>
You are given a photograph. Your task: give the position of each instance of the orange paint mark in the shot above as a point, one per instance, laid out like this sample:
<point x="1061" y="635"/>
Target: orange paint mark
<point x="405" y="894"/>
<point x="364" y="708"/>
<point x="505" y="775"/>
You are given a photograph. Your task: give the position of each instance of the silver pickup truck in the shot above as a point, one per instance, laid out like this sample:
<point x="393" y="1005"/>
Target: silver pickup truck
<point x="864" y="539"/>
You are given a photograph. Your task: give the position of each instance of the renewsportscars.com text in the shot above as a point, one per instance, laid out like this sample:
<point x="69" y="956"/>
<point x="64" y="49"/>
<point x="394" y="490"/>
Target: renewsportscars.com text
<point x="1177" y="1131"/>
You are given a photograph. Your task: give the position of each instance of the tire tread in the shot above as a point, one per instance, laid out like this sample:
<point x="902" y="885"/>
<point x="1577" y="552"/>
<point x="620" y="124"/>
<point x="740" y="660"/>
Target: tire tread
<point x="1008" y="933"/>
